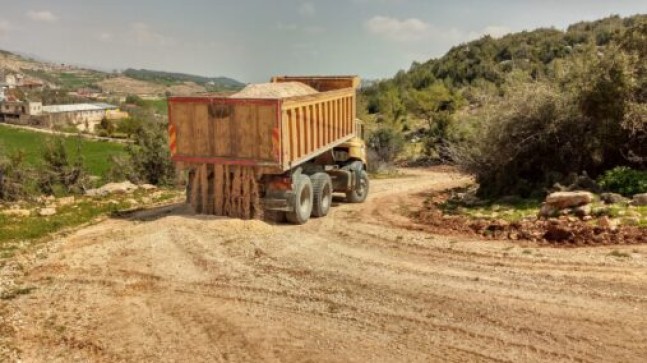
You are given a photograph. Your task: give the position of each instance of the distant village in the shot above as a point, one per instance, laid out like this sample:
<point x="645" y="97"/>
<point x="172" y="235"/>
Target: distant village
<point x="84" y="117"/>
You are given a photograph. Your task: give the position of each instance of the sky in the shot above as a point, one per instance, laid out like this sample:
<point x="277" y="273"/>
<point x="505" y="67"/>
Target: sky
<point x="252" y="40"/>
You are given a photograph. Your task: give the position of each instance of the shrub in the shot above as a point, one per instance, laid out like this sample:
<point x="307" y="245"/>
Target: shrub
<point x="129" y="125"/>
<point x="15" y="177"/>
<point x="107" y="125"/>
<point x="61" y="172"/>
<point x="624" y="180"/>
<point x="150" y="158"/>
<point x="384" y="145"/>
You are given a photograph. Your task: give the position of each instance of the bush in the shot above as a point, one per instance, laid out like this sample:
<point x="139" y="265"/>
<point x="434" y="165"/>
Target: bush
<point x="15" y="177"/>
<point x="624" y="180"/>
<point x="384" y="145"/>
<point x="149" y="156"/>
<point x="540" y="133"/>
<point x="61" y="172"/>
<point x="108" y="126"/>
<point x="129" y="126"/>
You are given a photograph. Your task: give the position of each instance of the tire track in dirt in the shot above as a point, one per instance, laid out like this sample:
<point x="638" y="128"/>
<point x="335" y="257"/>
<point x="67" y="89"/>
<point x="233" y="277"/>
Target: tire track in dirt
<point x="363" y="284"/>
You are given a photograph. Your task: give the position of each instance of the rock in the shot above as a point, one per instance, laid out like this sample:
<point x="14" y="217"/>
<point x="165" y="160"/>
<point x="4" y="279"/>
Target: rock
<point x="148" y="187"/>
<point x="640" y="199"/>
<point x="587" y="218"/>
<point x="120" y="188"/>
<point x="564" y="200"/>
<point x="631" y="221"/>
<point x="112" y="188"/>
<point x="613" y="198"/>
<point x="606" y="222"/>
<point x="583" y="211"/>
<point x="131" y="201"/>
<point x="96" y="193"/>
<point x="557" y="233"/>
<point x="548" y="211"/>
<point x="65" y="201"/>
<point x="146" y="200"/>
<point x="47" y="212"/>
<point x="16" y="213"/>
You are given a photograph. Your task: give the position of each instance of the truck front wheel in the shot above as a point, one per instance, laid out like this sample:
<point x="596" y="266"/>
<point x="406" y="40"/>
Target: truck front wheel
<point x="359" y="192"/>
<point x="302" y="201"/>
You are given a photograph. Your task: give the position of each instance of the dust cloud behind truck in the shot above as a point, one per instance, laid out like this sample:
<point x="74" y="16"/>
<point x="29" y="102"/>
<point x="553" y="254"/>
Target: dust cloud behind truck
<point x="271" y="154"/>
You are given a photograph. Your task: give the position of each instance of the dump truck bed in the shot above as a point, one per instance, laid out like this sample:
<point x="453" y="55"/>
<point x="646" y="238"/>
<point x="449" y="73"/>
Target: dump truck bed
<point x="272" y="134"/>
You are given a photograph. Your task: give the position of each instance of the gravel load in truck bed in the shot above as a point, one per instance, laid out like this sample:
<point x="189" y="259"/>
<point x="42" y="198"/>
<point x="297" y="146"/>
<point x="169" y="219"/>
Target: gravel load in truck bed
<point x="275" y="90"/>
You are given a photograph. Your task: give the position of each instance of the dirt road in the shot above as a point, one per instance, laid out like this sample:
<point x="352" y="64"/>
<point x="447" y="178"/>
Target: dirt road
<point x="357" y="286"/>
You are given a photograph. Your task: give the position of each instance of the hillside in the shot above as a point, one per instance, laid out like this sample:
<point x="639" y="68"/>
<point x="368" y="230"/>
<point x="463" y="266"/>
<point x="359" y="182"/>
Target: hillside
<point x="131" y="81"/>
<point x="487" y="62"/>
<point x="527" y="111"/>
<point x="213" y="84"/>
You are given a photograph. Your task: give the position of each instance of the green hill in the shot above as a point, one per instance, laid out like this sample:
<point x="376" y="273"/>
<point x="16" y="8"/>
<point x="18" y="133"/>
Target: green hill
<point x="487" y="61"/>
<point x="170" y="78"/>
<point x="527" y="110"/>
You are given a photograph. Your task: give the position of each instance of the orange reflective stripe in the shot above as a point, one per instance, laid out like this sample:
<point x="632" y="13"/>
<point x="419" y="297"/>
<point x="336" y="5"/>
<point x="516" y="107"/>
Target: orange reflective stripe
<point x="172" y="136"/>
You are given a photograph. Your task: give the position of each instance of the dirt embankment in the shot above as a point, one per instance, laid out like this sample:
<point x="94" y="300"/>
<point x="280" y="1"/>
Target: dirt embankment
<point x="359" y="285"/>
<point x="565" y="231"/>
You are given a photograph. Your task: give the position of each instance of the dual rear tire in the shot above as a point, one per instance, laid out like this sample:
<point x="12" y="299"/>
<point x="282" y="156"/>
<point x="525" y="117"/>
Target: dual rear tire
<point x="313" y="197"/>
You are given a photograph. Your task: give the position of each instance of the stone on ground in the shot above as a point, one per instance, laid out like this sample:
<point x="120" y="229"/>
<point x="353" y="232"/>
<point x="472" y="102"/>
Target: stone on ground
<point x="564" y="200"/>
<point x="47" y="212"/>
<point x="112" y="188"/>
<point x="640" y="199"/>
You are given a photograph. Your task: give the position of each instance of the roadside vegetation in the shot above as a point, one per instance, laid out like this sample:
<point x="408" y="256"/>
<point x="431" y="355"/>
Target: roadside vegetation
<point x="525" y="113"/>
<point x="212" y="84"/>
<point x="31" y="145"/>
<point x="49" y="182"/>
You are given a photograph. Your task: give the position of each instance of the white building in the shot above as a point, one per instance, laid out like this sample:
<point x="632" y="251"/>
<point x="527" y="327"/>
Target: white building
<point x="85" y="116"/>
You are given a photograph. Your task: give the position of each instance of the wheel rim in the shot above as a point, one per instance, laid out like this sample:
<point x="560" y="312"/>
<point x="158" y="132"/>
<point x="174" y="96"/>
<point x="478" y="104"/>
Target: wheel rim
<point x="325" y="198"/>
<point x="362" y="188"/>
<point x="305" y="199"/>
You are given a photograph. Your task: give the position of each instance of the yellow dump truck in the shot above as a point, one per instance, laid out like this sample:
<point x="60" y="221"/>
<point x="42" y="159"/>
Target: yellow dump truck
<point x="277" y="154"/>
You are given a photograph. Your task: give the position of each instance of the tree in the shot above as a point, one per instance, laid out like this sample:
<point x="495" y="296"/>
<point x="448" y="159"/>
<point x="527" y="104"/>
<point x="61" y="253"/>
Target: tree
<point x="435" y="105"/>
<point x="150" y="158"/>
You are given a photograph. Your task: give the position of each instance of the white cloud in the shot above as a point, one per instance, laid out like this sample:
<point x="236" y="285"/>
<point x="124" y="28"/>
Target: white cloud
<point x="414" y="30"/>
<point x="105" y="37"/>
<point x="307" y="9"/>
<point x="406" y="30"/>
<point x="287" y="27"/>
<point x="4" y="28"/>
<point x="308" y="29"/>
<point x="145" y="35"/>
<point x="495" y="31"/>
<point x="44" y="16"/>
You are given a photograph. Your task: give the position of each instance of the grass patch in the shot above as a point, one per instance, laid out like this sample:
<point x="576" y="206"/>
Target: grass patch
<point x="34" y="227"/>
<point x="508" y="210"/>
<point x="160" y="106"/>
<point x="618" y="254"/>
<point x="14" y="231"/>
<point x="15" y="292"/>
<point x="96" y="154"/>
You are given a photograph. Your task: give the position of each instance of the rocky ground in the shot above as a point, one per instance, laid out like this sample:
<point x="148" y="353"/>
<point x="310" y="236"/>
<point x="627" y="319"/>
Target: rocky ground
<point x="364" y="284"/>
<point x="571" y="226"/>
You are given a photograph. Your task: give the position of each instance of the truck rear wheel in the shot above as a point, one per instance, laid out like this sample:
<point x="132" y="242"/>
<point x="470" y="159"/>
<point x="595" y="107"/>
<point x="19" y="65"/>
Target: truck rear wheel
<point x="302" y="201"/>
<point x="359" y="194"/>
<point x="322" y="187"/>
